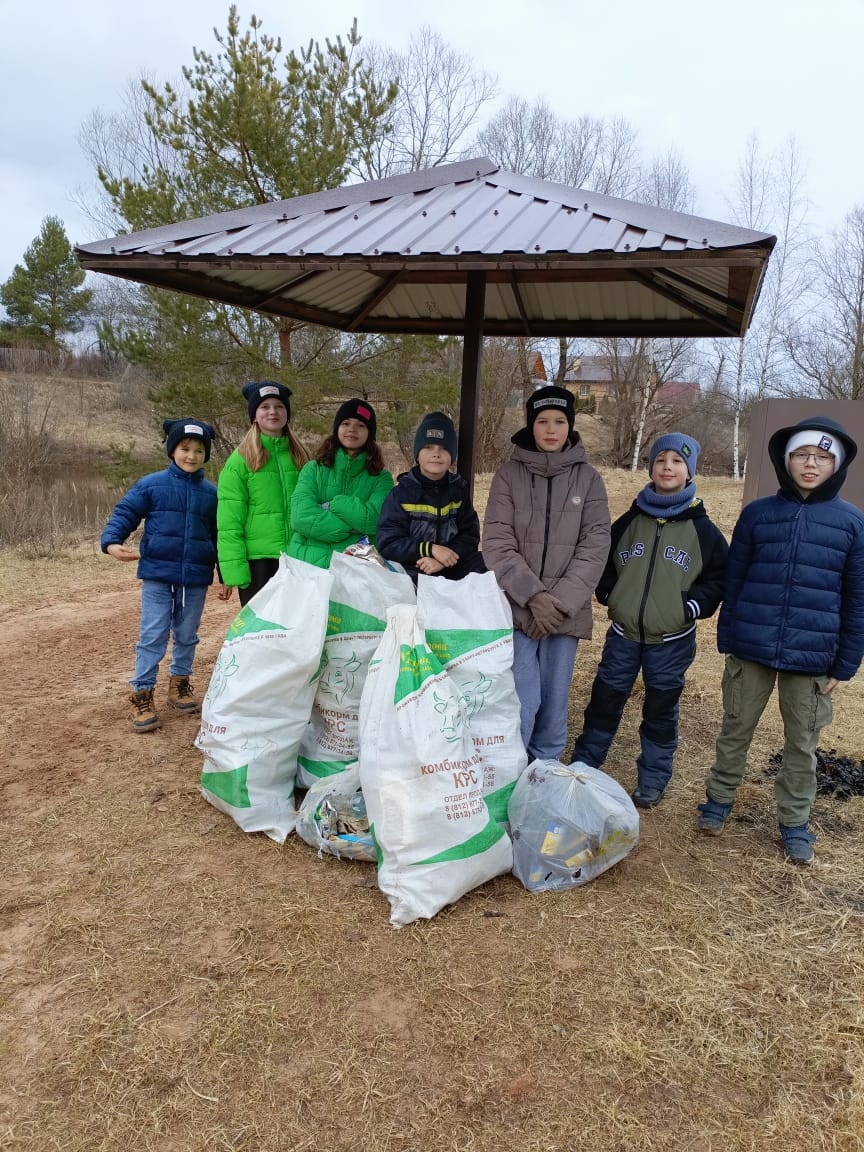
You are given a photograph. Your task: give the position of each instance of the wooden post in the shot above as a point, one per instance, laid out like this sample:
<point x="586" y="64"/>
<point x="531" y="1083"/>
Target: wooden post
<point x="472" y="355"/>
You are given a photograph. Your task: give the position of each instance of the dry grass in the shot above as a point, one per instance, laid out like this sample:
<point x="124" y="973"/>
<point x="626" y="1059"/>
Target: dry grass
<point x="171" y="984"/>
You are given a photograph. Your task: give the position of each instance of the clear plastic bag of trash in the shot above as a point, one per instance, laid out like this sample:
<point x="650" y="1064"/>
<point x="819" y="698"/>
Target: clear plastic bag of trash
<point x="332" y="817"/>
<point x="569" y="823"/>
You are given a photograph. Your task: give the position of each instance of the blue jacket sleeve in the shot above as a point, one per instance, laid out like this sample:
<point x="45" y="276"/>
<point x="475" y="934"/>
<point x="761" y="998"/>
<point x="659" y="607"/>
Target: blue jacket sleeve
<point x="127" y="515"/>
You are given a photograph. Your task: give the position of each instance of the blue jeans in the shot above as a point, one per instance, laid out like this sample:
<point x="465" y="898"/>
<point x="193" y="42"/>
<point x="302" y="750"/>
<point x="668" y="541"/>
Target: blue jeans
<point x="167" y="608"/>
<point x="543" y="670"/>
<point x="663" y="668"/>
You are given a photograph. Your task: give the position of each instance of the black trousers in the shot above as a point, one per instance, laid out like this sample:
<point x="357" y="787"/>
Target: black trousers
<point x="261" y="571"/>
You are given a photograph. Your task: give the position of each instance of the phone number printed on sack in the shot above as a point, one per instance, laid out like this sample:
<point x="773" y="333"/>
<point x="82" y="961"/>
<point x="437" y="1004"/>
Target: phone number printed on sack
<point x="464" y="807"/>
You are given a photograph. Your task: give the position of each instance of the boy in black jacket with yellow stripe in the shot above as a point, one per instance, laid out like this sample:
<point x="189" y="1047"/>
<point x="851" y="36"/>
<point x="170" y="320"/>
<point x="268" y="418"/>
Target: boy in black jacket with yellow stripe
<point x="665" y="571"/>
<point x="428" y="523"/>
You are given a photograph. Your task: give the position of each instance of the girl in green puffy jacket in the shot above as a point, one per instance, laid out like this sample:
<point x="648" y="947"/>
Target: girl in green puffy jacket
<point x="255" y="489"/>
<point x="339" y="494"/>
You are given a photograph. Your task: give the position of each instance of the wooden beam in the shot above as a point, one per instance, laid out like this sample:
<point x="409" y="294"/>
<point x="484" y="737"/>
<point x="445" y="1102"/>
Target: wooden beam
<point x="472" y="355"/>
<point x="373" y="301"/>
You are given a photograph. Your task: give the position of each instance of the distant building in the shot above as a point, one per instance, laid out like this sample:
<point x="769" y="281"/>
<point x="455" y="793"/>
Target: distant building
<point x="676" y="393"/>
<point x="589" y="378"/>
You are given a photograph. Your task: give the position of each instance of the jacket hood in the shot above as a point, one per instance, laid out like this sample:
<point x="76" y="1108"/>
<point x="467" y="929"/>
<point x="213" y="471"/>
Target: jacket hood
<point x="547" y="463"/>
<point x="776" y="453"/>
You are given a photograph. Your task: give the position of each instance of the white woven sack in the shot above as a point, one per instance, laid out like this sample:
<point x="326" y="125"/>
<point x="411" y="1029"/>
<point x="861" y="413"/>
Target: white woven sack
<point x="422" y="779"/>
<point x="569" y="822"/>
<point x="362" y="592"/>
<point x="260" y="696"/>
<point x="469" y="627"/>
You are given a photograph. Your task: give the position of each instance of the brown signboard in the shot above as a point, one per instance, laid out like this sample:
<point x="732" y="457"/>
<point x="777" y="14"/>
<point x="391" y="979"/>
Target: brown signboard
<point x="769" y="415"/>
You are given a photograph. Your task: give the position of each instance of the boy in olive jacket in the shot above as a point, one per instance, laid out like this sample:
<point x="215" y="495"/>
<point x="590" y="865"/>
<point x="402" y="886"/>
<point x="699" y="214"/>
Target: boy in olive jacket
<point x="665" y="571"/>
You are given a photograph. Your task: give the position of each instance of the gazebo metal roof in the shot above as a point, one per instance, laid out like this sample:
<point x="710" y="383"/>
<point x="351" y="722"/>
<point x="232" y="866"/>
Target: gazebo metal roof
<point x="464" y="248"/>
<point x="392" y="256"/>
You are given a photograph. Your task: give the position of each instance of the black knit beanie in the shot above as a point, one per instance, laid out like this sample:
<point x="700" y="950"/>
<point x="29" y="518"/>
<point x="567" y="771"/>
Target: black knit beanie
<point x="356" y="410"/>
<point x="436" y="428"/>
<point x="177" y="430"/>
<point x="258" y="391"/>
<point x="550" y="397"/>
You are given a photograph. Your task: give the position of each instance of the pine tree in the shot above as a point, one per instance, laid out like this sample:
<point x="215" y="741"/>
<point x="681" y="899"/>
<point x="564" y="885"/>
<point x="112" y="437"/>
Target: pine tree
<point x="44" y="295"/>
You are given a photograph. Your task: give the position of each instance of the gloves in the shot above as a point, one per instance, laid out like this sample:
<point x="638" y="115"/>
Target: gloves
<point x="547" y="613"/>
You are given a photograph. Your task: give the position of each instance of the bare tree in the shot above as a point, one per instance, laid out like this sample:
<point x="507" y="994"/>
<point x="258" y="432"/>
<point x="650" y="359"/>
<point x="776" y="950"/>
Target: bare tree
<point x="666" y="182"/>
<point x="441" y="95"/>
<point x="587" y="152"/>
<point x="828" y="347"/>
<point x="768" y="196"/>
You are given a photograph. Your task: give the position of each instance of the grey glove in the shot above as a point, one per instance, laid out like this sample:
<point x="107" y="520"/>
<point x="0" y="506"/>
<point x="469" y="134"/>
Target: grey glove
<point x="547" y="612"/>
<point x="532" y="631"/>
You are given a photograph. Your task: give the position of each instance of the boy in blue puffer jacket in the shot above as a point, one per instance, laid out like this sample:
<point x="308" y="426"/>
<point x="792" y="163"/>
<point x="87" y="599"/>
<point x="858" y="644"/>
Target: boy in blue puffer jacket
<point x="793" y="612"/>
<point x="175" y="564"/>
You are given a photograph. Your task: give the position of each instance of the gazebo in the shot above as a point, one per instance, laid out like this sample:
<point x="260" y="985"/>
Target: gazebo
<point x="464" y="249"/>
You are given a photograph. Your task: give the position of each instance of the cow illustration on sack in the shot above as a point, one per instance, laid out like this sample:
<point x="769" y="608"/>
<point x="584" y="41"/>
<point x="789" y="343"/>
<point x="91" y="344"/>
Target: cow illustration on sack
<point x="456" y="709"/>
<point x="219" y="680"/>
<point x="337" y="675"/>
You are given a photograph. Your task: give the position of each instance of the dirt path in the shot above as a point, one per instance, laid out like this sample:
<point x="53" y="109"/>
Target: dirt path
<point x="63" y="679"/>
<point x="168" y="984"/>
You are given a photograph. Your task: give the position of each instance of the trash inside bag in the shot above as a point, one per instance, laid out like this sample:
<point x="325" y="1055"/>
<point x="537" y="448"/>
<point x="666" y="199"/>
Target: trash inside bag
<point x="569" y="823"/>
<point x="332" y="817"/>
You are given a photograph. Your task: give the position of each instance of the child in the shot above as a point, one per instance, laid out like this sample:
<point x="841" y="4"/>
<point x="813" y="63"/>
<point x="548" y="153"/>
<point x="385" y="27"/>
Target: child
<point x="793" y="613"/>
<point x="665" y="571"/>
<point x="428" y="523"/>
<point x="175" y="564"/>
<point x="546" y="538"/>
<point x="339" y="494"/>
<point x="255" y="489"/>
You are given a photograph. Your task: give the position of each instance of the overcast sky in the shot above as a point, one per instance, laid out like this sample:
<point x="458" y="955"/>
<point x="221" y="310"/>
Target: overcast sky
<point x="697" y="77"/>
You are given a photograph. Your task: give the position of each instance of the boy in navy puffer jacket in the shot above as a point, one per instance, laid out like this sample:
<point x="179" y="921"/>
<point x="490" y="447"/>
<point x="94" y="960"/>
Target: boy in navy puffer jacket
<point x="793" y="612"/>
<point x="175" y="564"/>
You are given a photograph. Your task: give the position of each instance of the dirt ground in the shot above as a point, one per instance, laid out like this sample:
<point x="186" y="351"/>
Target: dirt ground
<point x="169" y="983"/>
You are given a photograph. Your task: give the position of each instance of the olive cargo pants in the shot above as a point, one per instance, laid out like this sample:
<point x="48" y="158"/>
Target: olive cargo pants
<point x="805" y="710"/>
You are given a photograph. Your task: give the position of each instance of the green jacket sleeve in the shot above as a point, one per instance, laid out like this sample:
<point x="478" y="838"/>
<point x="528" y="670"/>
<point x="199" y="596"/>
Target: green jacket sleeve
<point x="361" y="514"/>
<point x="232" y="512"/>
<point x="308" y="518"/>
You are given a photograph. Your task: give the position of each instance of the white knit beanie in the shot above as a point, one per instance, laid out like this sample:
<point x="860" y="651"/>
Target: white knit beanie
<point x="824" y="441"/>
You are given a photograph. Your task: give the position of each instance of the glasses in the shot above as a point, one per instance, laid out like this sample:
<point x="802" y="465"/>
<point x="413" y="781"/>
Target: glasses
<point x="820" y="459"/>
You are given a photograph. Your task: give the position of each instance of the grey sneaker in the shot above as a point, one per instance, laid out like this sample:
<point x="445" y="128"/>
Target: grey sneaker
<point x="712" y="817"/>
<point x="797" y="844"/>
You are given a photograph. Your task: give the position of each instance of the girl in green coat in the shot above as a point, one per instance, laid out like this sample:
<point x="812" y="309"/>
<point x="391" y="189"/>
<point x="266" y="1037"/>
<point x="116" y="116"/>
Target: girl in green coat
<point x="339" y="494"/>
<point x="255" y="490"/>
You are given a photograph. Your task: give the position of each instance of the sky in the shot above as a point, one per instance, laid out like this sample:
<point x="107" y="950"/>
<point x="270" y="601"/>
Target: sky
<point x="699" y="78"/>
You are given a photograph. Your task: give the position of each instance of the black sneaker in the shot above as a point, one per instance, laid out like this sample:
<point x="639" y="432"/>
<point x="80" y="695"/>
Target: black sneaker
<point x="644" y="796"/>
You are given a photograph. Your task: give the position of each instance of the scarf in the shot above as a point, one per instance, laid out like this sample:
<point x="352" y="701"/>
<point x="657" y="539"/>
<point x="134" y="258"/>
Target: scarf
<point x="665" y="507"/>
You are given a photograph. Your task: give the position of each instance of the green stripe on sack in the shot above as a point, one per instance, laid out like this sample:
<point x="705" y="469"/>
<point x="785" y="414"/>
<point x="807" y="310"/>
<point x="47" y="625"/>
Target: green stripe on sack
<point x="246" y="621"/>
<point x="228" y="786"/>
<point x="448" y="644"/>
<point x="379" y="855"/>
<point x="322" y="768"/>
<point x="490" y="835"/>
<point x="497" y="802"/>
<point x="342" y="618"/>
<point x="416" y="665"/>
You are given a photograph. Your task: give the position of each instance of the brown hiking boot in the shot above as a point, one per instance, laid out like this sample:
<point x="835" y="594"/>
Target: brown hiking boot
<point x="143" y="714"/>
<point x="181" y="695"/>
